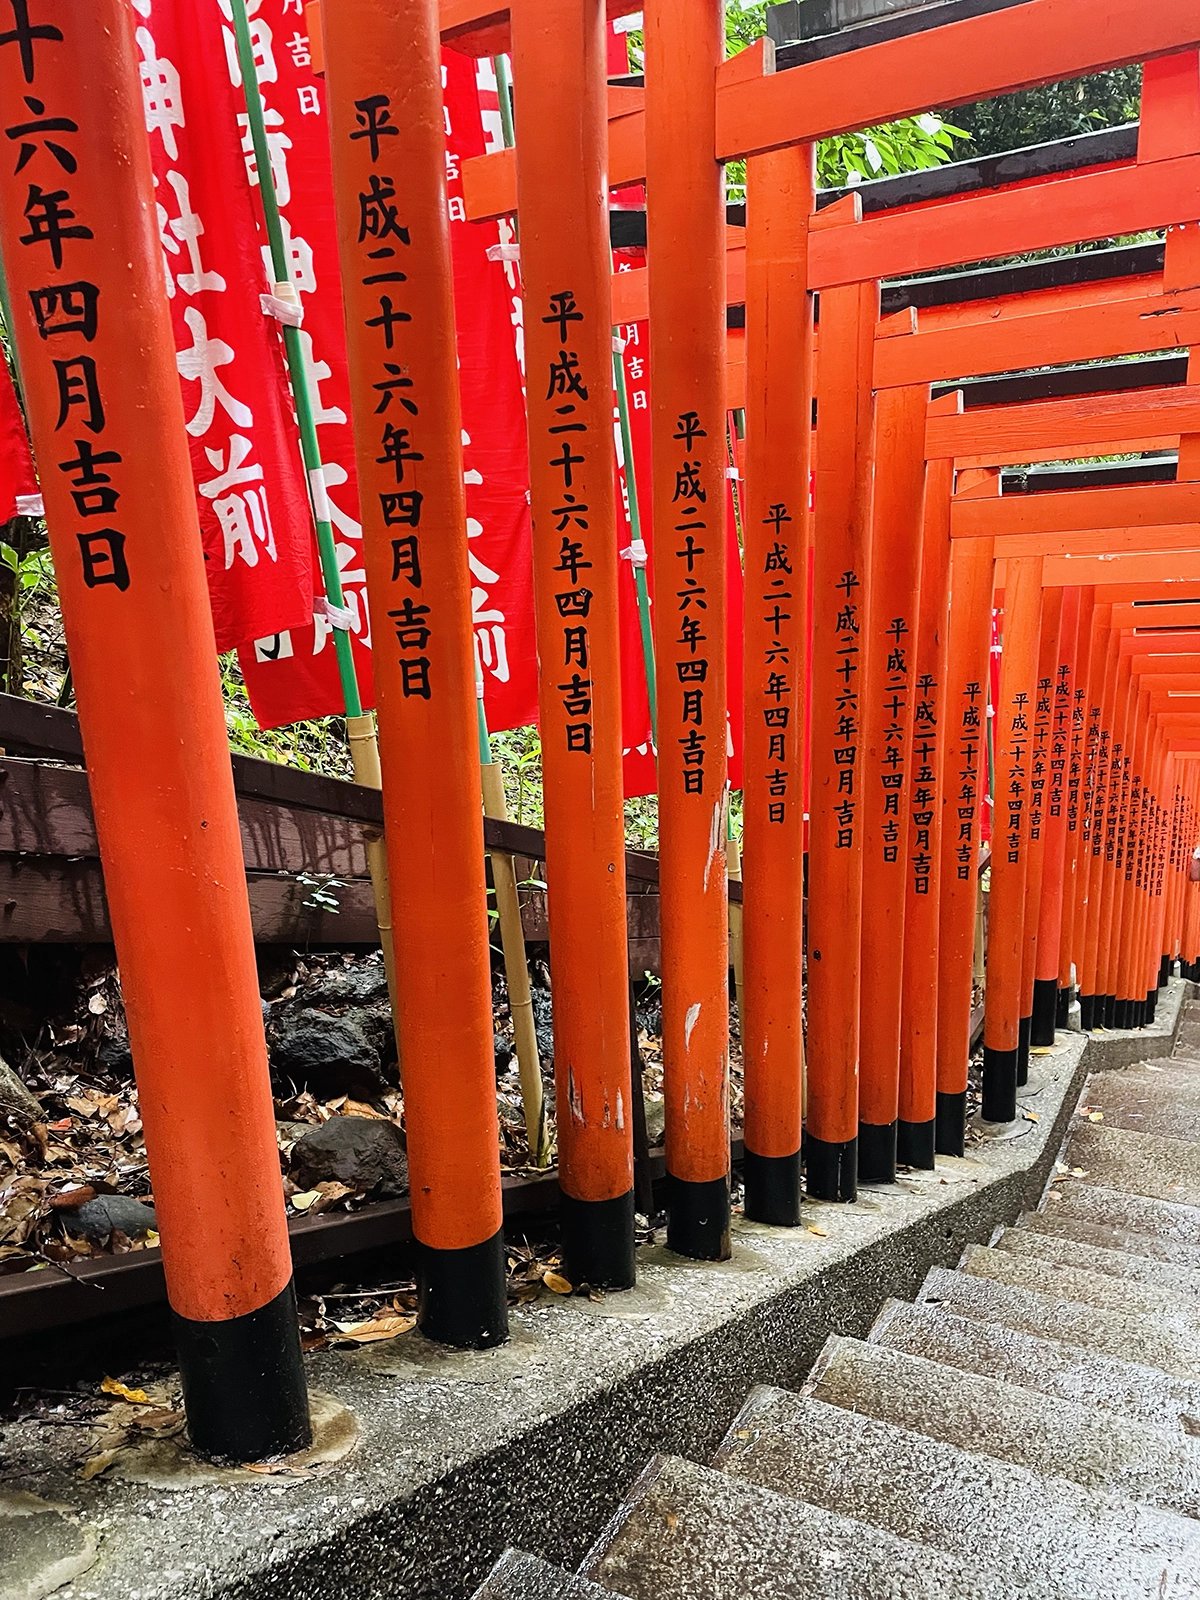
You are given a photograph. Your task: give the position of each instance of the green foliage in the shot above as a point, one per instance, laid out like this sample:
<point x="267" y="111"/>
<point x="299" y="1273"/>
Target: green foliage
<point x="309" y="746"/>
<point x="906" y="146"/>
<point x="1055" y="111"/>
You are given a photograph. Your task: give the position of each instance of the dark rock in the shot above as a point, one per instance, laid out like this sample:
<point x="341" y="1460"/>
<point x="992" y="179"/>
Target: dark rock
<point x="365" y="1153"/>
<point x="503" y="1052"/>
<point x="19" y="1108"/>
<point x="111" y="1213"/>
<point x="328" y="1055"/>
<point x="543" y="1024"/>
<point x="376" y="1022"/>
<point x="344" y="986"/>
<point x="114" y="1056"/>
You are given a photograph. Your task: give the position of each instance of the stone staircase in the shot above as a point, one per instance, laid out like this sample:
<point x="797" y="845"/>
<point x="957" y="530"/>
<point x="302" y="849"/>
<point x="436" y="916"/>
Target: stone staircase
<point x="1029" y="1427"/>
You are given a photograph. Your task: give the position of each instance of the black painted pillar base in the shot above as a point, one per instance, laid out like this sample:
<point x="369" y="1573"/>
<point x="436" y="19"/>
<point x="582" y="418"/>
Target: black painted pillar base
<point x="243" y="1383"/>
<point x="773" y="1189"/>
<point x="950" y="1124"/>
<point x="1164" y="972"/>
<point x="1062" y="1009"/>
<point x="462" y="1296"/>
<point x="832" y="1169"/>
<point x="1087" y="1012"/>
<point x="876" y="1152"/>
<point x="1023" y="1032"/>
<point x="999" y="1085"/>
<point x="1045" y="1007"/>
<point x="1108" y="1011"/>
<point x="598" y="1241"/>
<point x="698" y="1218"/>
<point x="916" y="1144"/>
<point x="1151" y="1007"/>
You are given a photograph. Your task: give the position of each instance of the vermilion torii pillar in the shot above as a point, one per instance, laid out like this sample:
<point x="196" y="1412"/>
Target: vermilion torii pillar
<point x="964" y="767"/>
<point x="84" y="267"/>
<point x="917" y="1134"/>
<point x="560" y="77"/>
<point x="889" y="655"/>
<point x="841" y="624"/>
<point x="1010" y="851"/>
<point x="1039" y="777"/>
<point x="778" y="539"/>
<point x="686" y="245"/>
<point x="1050" y="913"/>
<point x="383" y="69"/>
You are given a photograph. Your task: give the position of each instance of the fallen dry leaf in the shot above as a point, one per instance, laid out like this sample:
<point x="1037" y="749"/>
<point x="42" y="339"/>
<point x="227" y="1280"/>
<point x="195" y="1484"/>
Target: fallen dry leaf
<point x="95" y="1465"/>
<point x="821" y="1233"/>
<point x="556" y="1282"/>
<point x="1095" y="1116"/>
<point x="136" y="1397"/>
<point x="373" y="1332"/>
<point x="301" y="1202"/>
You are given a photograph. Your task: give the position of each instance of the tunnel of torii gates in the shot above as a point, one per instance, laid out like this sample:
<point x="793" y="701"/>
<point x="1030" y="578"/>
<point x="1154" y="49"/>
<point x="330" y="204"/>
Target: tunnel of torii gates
<point x="910" y="544"/>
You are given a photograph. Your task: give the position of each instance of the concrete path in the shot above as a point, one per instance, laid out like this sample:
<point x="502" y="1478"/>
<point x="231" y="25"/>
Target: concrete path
<point x="1029" y="1427"/>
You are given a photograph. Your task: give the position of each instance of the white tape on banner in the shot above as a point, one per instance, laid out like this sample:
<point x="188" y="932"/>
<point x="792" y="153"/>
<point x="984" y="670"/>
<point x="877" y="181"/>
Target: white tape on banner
<point x="636" y="553"/>
<point x="30" y="505"/>
<point x="320" y="496"/>
<point x="504" y="252"/>
<point x="340" y="617"/>
<point x="289" y="313"/>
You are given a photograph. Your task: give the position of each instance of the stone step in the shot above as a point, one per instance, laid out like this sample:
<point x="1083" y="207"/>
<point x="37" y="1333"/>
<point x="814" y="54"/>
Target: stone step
<point x="1048" y="1366"/>
<point x="1155" y="1341"/>
<point x="517" y="1576"/>
<point x="1054" y="1224"/>
<point x="689" y="1533"/>
<point x="1117" y="1208"/>
<point x="1053" y="1537"/>
<point x="1055" y="1438"/>
<point x="1163" y="1104"/>
<point x="1120" y="1264"/>
<point x="1088" y="1288"/>
<point x="1140" y="1163"/>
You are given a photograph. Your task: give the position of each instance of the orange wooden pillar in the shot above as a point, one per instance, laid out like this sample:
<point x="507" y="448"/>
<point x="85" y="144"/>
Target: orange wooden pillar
<point x="777" y="542"/>
<point x="841" y="624"/>
<point x="90" y="320"/>
<point x="1010" y="852"/>
<point x="686" y="246"/>
<point x="560" y="77"/>
<point x="922" y="931"/>
<point x="1113" y="870"/>
<point x="964" y="773"/>
<point x="1050" y="910"/>
<point x="1072" y="806"/>
<point x="1101" y="689"/>
<point x="383" y="74"/>
<point x="889" y="655"/>
<point x="1038" y="784"/>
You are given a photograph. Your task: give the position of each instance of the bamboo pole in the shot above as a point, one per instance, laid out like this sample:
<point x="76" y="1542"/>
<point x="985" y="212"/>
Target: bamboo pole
<point x="360" y="726"/>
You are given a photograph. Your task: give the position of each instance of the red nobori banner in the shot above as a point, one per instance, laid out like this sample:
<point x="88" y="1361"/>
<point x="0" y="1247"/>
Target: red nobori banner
<point x="293" y="674"/>
<point x="19" y="494"/>
<point x="253" y="502"/>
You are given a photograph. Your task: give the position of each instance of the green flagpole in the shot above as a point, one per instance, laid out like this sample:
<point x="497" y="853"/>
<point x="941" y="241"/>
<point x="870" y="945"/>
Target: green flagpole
<point x="638" y="546"/>
<point x="360" y="728"/>
<point x="285" y="290"/>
